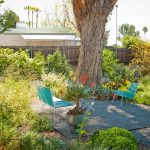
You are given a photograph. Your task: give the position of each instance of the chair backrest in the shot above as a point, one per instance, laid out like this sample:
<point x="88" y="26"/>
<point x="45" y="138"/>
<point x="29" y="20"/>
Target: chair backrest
<point x="133" y="87"/>
<point x="45" y="95"/>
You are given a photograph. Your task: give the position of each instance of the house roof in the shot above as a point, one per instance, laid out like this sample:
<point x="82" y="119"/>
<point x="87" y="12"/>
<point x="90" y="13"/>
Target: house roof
<point x="40" y="31"/>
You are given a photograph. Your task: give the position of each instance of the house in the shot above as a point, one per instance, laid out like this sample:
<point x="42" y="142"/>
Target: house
<point x="53" y="36"/>
<point x="46" y="40"/>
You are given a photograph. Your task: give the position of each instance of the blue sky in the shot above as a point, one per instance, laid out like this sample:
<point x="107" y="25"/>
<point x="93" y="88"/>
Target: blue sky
<point x="136" y="12"/>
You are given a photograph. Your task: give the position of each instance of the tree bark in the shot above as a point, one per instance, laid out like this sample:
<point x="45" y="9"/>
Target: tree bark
<point x="91" y="17"/>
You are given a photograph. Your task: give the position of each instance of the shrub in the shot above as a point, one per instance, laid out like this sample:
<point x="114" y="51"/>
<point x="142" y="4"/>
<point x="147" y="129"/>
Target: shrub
<point x="128" y="40"/>
<point x="113" y="138"/>
<point x="35" y="141"/>
<point x="143" y="94"/>
<point x="141" y="56"/>
<point x="58" y="63"/>
<point x="42" y="123"/>
<point x="15" y="109"/>
<point x="9" y="137"/>
<point x="117" y="72"/>
<point x="15" y="101"/>
<point x="21" y="62"/>
<point x="5" y="58"/>
<point x="110" y="64"/>
<point x="57" y="82"/>
<point x="38" y="64"/>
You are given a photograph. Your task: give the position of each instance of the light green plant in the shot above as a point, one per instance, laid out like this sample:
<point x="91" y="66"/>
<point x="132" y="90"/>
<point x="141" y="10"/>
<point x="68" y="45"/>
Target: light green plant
<point x="78" y="144"/>
<point x="33" y="140"/>
<point x="42" y="123"/>
<point x="16" y="111"/>
<point x="113" y="138"/>
<point x="110" y="64"/>
<point x="143" y="94"/>
<point x="141" y="56"/>
<point x="56" y="82"/>
<point x="21" y="63"/>
<point x="58" y="63"/>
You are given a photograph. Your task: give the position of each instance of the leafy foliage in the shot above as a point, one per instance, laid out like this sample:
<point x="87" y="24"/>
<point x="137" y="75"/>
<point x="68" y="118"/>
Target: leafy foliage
<point x="141" y="56"/>
<point x="32" y="140"/>
<point x="128" y="40"/>
<point x="58" y="63"/>
<point x="15" y="109"/>
<point x="127" y="30"/>
<point x="42" y="123"/>
<point x="113" y="138"/>
<point x="5" y="58"/>
<point x="110" y="64"/>
<point x="21" y="62"/>
<point x="56" y="82"/>
<point x="118" y="73"/>
<point x="143" y="94"/>
<point x="11" y="19"/>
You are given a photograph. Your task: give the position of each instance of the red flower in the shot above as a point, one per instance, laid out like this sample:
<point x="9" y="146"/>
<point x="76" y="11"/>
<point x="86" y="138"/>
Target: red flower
<point x="92" y="84"/>
<point x="83" y="78"/>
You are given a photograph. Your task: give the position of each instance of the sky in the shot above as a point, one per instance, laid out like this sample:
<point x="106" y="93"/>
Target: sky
<point x="136" y="12"/>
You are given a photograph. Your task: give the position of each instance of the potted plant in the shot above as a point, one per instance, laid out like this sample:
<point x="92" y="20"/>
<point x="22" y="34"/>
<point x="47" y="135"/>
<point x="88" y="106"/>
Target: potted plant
<point x="76" y="91"/>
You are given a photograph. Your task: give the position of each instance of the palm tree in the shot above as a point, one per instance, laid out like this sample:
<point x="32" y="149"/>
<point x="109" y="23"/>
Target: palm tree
<point x="32" y="10"/>
<point x="37" y="15"/>
<point x="28" y="8"/>
<point x="145" y="29"/>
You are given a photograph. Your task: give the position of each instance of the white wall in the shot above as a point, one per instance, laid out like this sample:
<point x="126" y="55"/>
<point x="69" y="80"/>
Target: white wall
<point x="17" y="40"/>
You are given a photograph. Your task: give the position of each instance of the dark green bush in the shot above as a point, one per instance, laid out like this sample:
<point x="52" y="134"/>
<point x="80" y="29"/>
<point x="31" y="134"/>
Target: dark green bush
<point x="42" y="123"/>
<point x="113" y="138"/>
<point x="110" y="64"/>
<point x="58" y="63"/>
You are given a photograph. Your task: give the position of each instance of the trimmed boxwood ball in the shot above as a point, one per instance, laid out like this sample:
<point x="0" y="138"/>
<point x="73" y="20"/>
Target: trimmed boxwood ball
<point x="113" y="138"/>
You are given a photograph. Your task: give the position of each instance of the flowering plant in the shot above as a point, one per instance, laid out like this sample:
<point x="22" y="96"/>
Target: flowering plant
<point x="76" y="91"/>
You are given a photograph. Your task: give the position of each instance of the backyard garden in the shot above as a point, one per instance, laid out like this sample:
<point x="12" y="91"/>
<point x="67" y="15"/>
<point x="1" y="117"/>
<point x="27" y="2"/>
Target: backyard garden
<point x="94" y="115"/>
<point x="24" y="128"/>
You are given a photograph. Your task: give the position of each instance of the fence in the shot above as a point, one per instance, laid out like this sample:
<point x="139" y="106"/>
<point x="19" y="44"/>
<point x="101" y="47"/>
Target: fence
<point x="72" y="52"/>
<point x="124" y="55"/>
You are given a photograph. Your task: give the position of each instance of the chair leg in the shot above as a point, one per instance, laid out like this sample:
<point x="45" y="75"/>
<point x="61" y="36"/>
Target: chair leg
<point x="56" y="117"/>
<point x="121" y="101"/>
<point x="113" y="98"/>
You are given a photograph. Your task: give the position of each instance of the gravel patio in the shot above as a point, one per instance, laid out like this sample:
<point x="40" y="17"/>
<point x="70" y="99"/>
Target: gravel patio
<point x="133" y="117"/>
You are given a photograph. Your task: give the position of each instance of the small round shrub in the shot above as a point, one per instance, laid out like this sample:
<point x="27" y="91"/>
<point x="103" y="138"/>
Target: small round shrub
<point x="113" y="138"/>
<point x="34" y="141"/>
<point x="58" y="63"/>
<point x="42" y="123"/>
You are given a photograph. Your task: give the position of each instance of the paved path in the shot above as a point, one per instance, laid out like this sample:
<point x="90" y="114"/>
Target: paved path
<point x="135" y="118"/>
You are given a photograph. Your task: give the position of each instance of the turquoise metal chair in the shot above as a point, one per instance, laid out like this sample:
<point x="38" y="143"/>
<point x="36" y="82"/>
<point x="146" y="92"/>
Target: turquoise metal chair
<point x="46" y="95"/>
<point x="129" y="94"/>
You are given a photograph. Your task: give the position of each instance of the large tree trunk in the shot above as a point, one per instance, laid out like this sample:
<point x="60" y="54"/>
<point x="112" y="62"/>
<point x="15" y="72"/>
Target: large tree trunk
<point x="91" y="17"/>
